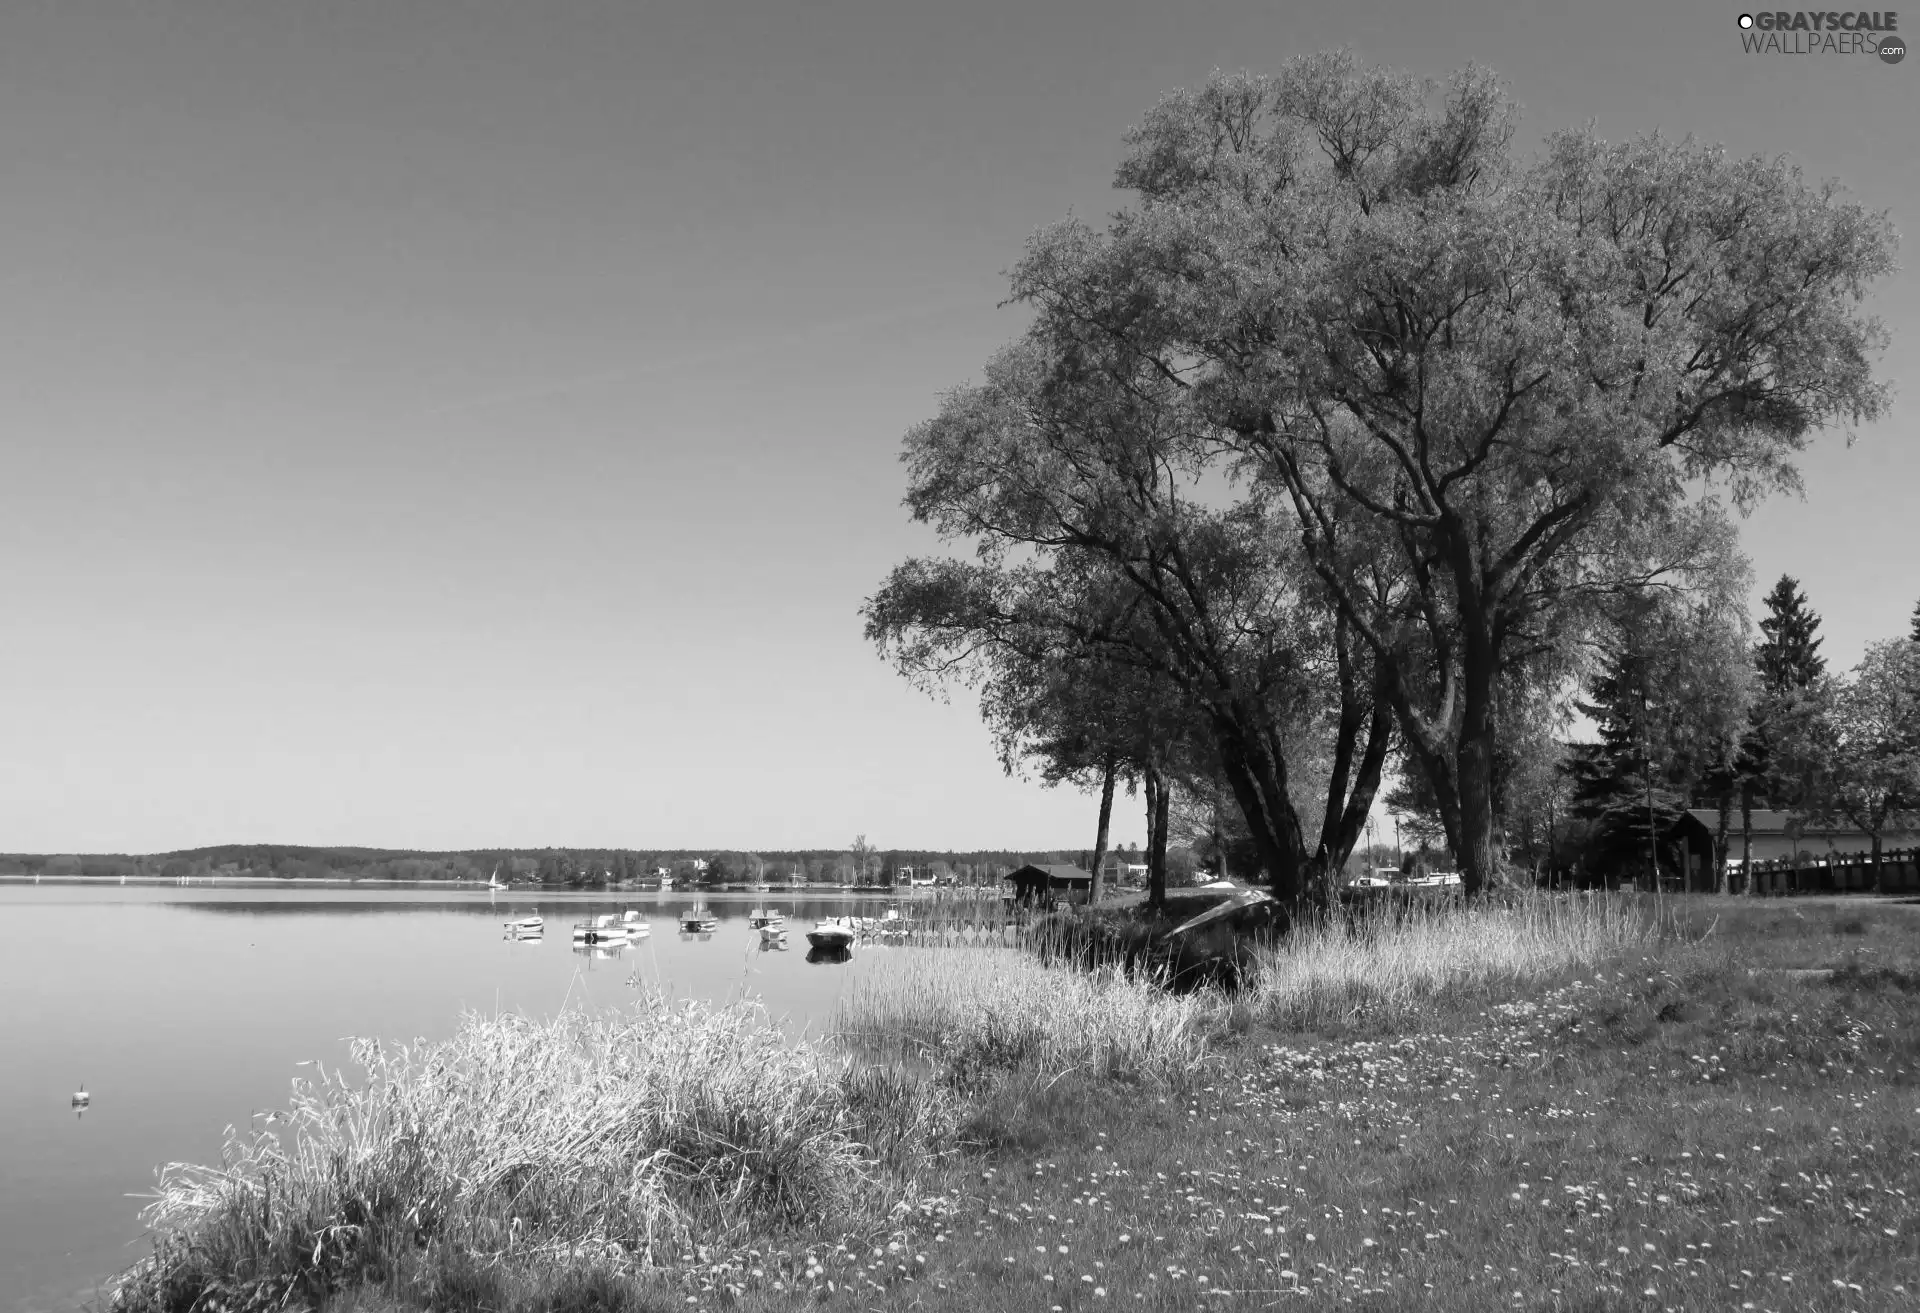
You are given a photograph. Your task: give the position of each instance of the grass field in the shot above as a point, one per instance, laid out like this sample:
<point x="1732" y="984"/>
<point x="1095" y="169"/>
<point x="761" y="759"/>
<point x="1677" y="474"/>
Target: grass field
<point x="1715" y="1105"/>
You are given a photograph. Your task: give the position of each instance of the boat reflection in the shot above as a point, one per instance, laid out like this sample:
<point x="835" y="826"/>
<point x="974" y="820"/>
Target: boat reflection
<point x="841" y="953"/>
<point x="599" y="952"/>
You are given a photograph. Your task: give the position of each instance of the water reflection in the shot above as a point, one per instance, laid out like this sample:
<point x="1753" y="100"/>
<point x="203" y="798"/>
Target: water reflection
<point x="840" y="954"/>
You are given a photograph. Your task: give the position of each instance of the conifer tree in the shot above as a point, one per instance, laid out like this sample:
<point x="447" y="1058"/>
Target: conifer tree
<point x="1789" y="657"/>
<point x="1621" y="783"/>
<point x="1789" y="664"/>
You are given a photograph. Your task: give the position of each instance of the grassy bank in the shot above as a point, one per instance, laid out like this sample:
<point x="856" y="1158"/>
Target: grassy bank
<point x="589" y="1146"/>
<point x="1559" y="1105"/>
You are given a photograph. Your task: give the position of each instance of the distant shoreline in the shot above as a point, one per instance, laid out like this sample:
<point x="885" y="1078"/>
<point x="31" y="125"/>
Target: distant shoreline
<point x="274" y="881"/>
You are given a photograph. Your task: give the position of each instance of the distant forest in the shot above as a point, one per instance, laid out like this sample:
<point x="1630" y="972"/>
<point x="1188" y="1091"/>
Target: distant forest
<point x="575" y="867"/>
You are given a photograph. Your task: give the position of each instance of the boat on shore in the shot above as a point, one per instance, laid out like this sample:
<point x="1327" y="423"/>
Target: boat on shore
<point x="834" y="932"/>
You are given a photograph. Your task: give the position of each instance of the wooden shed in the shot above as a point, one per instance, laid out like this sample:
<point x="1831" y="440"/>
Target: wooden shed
<point x="1042" y="883"/>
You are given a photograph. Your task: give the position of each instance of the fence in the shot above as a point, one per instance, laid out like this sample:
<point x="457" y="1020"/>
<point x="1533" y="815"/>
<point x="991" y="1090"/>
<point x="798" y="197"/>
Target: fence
<point x="1838" y="873"/>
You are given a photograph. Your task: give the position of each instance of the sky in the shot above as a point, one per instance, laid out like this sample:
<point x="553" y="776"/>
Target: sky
<point x="443" y="425"/>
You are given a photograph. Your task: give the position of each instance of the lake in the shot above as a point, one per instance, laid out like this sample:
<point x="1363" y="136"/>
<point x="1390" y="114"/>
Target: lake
<point x="183" y="1010"/>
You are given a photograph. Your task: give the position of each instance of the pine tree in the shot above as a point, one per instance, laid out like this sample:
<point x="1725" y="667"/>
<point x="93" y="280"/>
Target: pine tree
<point x="1789" y="663"/>
<point x="1618" y="784"/>
<point x="1789" y="657"/>
<point x="1915" y="635"/>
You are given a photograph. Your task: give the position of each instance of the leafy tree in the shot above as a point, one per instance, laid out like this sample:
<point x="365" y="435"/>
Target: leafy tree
<point x="1069" y="452"/>
<point x="1488" y="389"/>
<point x="863" y="855"/>
<point x="1859" y="752"/>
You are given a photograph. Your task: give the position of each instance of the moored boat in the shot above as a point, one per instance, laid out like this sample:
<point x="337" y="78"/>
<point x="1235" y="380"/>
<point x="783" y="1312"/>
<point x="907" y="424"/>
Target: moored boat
<point x="760" y="918"/>
<point x="527" y="925"/>
<point x="636" y="928"/>
<point x="603" y="929"/>
<point x="834" y="932"/>
<point x="699" y="922"/>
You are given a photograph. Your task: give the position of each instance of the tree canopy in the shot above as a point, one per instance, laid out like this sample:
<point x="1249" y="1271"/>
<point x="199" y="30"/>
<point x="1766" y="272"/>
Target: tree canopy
<point x="1471" y="397"/>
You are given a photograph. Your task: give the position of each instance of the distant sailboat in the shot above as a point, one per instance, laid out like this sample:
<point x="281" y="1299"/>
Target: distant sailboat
<point x="493" y="881"/>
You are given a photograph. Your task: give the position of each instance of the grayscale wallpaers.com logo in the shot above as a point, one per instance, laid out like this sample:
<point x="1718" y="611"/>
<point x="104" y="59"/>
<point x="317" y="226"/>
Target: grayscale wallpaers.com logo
<point x="1832" y="32"/>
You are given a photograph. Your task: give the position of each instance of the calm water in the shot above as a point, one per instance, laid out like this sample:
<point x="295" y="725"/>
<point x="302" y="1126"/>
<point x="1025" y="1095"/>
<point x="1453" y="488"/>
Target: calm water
<point x="184" y="1010"/>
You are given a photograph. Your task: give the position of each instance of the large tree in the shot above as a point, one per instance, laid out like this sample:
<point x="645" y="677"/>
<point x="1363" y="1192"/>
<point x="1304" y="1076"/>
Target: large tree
<point x="1486" y="386"/>
<point x="1071" y="472"/>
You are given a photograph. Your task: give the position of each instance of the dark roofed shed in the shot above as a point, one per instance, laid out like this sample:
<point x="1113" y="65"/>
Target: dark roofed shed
<point x="1033" y="882"/>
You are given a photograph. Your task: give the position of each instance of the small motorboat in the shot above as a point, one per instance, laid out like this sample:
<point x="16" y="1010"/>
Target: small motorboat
<point x="891" y="924"/>
<point x="636" y="928"/>
<point x="773" y="934"/>
<point x="834" y="932"/>
<point x="760" y="918"/>
<point x="527" y="925"/>
<point x="699" y="922"/>
<point x="603" y="929"/>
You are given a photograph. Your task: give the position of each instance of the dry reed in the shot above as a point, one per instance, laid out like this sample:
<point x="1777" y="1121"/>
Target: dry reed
<point x="1388" y="965"/>
<point x="616" y="1138"/>
<point x="976" y="1011"/>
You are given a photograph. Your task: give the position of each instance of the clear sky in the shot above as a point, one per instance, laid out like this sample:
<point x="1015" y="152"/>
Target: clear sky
<point x="454" y="424"/>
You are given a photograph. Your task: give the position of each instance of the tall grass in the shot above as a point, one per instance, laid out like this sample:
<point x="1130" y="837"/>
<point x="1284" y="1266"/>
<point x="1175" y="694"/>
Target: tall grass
<point x="606" y="1142"/>
<point x="1382" y="966"/>
<point x="616" y="1138"/>
<point x="975" y="1011"/>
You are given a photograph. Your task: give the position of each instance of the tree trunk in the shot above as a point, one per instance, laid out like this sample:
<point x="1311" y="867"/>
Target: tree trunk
<point x="1155" y="785"/>
<point x="1721" y="879"/>
<point x="1257" y="773"/>
<point x="1879" y="877"/>
<point x="1746" y="836"/>
<point x="1100" y="839"/>
<point x="1474" y="847"/>
<point x="1157" y="858"/>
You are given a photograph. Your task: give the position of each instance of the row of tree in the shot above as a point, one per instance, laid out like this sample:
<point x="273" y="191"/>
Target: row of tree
<point x="1341" y="453"/>
<point x="1712" y="724"/>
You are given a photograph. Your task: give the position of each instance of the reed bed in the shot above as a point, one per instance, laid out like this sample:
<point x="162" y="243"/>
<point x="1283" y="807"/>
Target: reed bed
<point x="1379" y="965"/>
<point x="978" y="1012"/>
<point x="617" y="1139"/>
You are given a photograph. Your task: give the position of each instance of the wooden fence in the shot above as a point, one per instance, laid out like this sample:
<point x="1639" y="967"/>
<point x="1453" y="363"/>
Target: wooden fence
<point x="1837" y="873"/>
